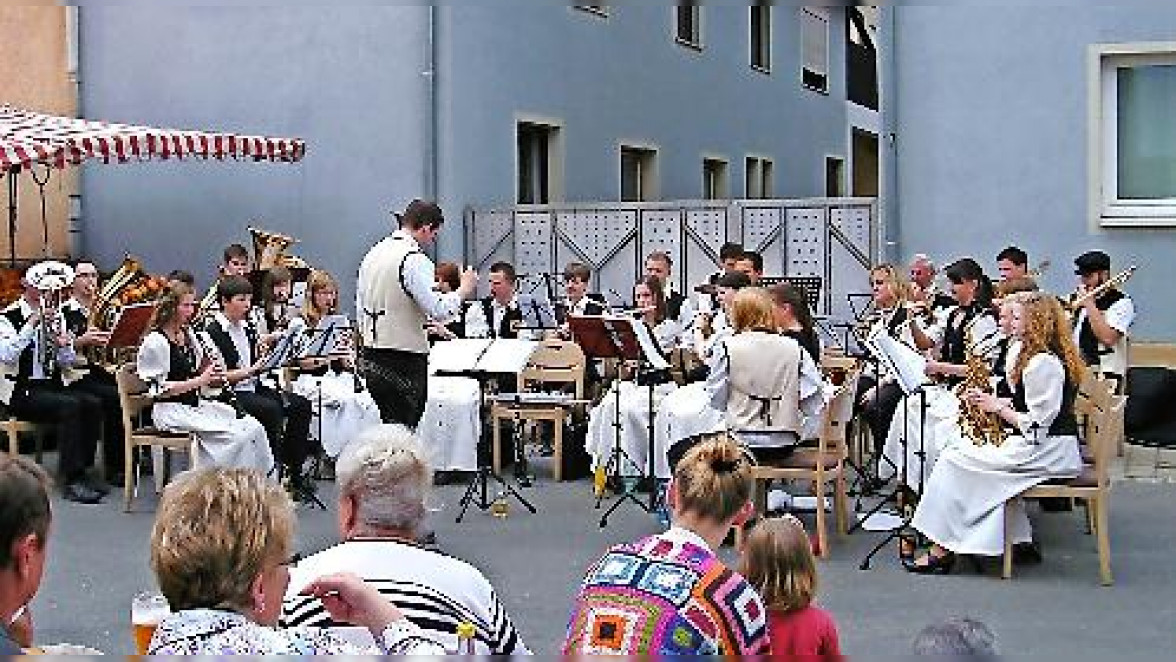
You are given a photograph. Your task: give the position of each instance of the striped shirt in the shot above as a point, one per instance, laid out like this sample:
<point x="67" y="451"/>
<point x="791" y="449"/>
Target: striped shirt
<point x="435" y="591"/>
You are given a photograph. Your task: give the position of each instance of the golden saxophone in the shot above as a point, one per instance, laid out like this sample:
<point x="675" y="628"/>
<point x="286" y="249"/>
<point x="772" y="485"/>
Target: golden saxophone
<point x="982" y="427"/>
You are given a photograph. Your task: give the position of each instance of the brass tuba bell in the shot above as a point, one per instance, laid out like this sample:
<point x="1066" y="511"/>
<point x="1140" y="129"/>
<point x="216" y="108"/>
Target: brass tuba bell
<point x="269" y="248"/>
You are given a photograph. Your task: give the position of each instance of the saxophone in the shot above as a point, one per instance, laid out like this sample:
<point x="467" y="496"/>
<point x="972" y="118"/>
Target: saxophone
<point x="982" y="427"/>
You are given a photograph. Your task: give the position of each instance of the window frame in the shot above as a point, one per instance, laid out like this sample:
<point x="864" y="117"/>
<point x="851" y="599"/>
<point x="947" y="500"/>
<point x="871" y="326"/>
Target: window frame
<point x="723" y="185"/>
<point x="765" y="42"/>
<point x="555" y="183"/>
<point x="1106" y="209"/>
<point x="647" y="177"/>
<point x="696" y="43"/>
<point x="765" y="176"/>
<point x="821" y="14"/>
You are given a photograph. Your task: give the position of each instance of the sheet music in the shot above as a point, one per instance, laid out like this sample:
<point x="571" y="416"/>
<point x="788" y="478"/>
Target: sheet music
<point x="459" y="355"/>
<point x="279" y="356"/>
<point x="538" y="314"/>
<point x="908" y="365"/>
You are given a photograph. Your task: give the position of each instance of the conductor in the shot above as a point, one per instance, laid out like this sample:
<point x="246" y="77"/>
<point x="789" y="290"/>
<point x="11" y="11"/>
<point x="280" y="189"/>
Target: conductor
<point x="395" y="301"/>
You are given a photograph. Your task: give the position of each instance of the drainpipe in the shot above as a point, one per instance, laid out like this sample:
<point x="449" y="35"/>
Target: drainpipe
<point x="430" y="188"/>
<point x="893" y="240"/>
<point x="73" y="70"/>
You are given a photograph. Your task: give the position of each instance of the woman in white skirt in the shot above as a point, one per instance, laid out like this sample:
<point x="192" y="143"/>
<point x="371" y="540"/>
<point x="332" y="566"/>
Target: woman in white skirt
<point x="342" y="406"/>
<point x="962" y="510"/>
<point x="635" y="398"/>
<point x="177" y="365"/>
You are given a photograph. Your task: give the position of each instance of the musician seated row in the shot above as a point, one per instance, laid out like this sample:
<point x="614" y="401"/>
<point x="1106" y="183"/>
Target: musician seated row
<point x="180" y="367"/>
<point x="37" y="354"/>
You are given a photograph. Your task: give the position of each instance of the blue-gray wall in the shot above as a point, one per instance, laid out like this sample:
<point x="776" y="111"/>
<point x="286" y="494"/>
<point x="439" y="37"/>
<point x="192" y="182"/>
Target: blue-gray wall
<point x="992" y="134"/>
<point x="348" y="80"/>
<point x="625" y="79"/>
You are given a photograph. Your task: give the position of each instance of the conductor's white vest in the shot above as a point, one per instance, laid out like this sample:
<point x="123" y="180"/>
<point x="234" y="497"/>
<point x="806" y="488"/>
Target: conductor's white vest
<point x="389" y="318"/>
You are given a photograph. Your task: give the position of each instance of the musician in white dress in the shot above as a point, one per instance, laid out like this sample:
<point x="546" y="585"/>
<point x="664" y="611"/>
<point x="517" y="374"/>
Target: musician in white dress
<point x="933" y="414"/>
<point x="635" y="405"/>
<point x="343" y="407"/>
<point x="177" y="365"/>
<point x="962" y="510"/>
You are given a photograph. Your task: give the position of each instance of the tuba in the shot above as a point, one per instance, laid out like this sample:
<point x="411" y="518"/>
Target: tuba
<point x="105" y="307"/>
<point x="269" y="250"/>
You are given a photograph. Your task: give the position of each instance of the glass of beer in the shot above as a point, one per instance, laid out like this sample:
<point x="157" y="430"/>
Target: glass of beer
<point x="148" y="609"/>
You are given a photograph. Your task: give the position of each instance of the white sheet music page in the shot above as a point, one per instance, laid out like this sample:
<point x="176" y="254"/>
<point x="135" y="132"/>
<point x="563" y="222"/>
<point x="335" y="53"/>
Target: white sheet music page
<point x="460" y="355"/>
<point x="507" y="356"/>
<point x="908" y="364"/>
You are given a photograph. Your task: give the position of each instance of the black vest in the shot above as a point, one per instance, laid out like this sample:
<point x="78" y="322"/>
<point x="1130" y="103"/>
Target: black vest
<point x="955" y="341"/>
<point x="1000" y="368"/>
<point x="674" y="302"/>
<point x="510" y="321"/>
<point x="25" y="361"/>
<point x="1065" y="422"/>
<point x="808" y="342"/>
<point x="181" y="366"/>
<point x="224" y="342"/>
<point x="1088" y="344"/>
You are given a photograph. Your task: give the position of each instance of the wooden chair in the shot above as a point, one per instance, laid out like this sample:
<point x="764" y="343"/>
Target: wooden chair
<point x="13" y="427"/>
<point x="134" y="401"/>
<point x="824" y="464"/>
<point x="1093" y="485"/>
<point x="554" y="362"/>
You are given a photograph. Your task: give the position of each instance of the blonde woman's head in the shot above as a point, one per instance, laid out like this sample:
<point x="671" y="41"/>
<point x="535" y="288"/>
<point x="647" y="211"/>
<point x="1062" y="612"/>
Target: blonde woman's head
<point x="216" y="533"/>
<point x="752" y="309"/>
<point x="713" y="480"/>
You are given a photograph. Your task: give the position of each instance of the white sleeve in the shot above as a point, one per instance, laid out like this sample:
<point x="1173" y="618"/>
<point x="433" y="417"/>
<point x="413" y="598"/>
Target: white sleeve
<point x="153" y="362"/>
<point x="13" y="341"/>
<point x="718" y="380"/>
<point x="812" y="397"/>
<point x="1120" y="315"/>
<point x="419" y="279"/>
<point x="1044" y="379"/>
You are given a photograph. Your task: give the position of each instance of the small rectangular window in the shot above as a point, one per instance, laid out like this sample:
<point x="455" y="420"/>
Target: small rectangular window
<point x="761" y="37"/>
<point x="638" y="174"/>
<point x="814" y="38"/>
<point x="834" y="177"/>
<point x="688" y="22"/>
<point x="758" y="177"/>
<point x="714" y="179"/>
<point x="537" y="172"/>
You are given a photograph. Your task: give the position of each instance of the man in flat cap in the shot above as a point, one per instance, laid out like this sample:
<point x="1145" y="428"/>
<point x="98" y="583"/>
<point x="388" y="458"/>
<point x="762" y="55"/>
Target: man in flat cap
<point x="1102" y="322"/>
<point x="395" y="300"/>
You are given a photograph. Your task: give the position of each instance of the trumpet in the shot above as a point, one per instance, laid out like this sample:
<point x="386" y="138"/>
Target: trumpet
<point x="1079" y="298"/>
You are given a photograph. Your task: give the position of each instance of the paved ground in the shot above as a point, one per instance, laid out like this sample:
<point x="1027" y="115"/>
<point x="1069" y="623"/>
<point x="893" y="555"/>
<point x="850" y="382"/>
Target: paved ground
<point x="99" y="559"/>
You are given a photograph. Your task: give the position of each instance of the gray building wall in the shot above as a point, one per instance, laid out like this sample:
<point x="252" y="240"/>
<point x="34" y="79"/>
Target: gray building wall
<point x="991" y="122"/>
<point x="624" y="79"/>
<point x="348" y="80"/>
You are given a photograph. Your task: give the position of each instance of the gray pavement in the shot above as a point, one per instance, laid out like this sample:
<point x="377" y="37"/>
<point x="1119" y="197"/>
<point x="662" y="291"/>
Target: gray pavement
<point x="98" y="560"/>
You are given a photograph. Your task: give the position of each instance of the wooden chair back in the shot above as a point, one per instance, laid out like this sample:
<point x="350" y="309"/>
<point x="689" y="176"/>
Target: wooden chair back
<point x="556" y="362"/>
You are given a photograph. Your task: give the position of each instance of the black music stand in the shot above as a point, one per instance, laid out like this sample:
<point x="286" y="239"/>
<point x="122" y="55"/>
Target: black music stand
<point x="485" y="360"/>
<point x="605" y="337"/>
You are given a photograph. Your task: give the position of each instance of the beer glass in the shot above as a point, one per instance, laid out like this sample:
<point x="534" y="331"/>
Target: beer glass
<point x="147" y="611"/>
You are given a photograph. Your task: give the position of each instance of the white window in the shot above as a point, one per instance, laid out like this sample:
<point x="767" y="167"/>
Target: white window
<point x="688" y="23"/>
<point x="761" y="37"/>
<point x="757" y="179"/>
<point x="714" y="179"/>
<point x="538" y="163"/>
<point x="1132" y="134"/>
<point x="638" y="174"/>
<point x="814" y="42"/>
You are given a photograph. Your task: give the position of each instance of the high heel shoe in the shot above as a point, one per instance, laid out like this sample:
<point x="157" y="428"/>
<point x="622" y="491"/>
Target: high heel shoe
<point x="906" y="548"/>
<point x="935" y="565"/>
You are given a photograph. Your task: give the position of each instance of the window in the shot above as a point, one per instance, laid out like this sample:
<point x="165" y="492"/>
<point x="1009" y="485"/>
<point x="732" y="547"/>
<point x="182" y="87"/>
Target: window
<point x="538" y="172"/>
<point x="758" y="177"/>
<point x="597" y="8"/>
<point x="714" y="179"/>
<point x="861" y="56"/>
<point x="638" y="174"/>
<point x="761" y="37"/>
<point x="814" y="57"/>
<point x="688" y="24"/>
<point x="834" y="177"/>
<point x="1133" y="138"/>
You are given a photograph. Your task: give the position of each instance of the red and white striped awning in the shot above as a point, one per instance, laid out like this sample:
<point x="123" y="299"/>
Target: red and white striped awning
<point x="28" y="137"/>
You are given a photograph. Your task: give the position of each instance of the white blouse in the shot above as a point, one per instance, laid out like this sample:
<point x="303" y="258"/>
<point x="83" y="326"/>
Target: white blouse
<point x="1044" y="377"/>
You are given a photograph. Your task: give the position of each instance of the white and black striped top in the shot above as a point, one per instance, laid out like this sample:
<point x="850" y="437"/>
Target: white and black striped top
<point x="435" y="591"/>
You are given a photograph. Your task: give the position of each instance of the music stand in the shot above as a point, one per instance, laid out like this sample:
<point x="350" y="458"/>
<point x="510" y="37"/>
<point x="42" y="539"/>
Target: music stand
<point x="485" y="360"/>
<point x="608" y="337"/>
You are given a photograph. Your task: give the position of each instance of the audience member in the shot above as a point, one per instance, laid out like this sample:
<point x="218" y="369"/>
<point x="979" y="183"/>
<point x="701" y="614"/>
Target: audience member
<point x="384" y="480"/>
<point x="956" y="637"/>
<point x="221" y="552"/>
<point x="661" y="594"/>
<point x="24" y="534"/>
<point x="778" y="561"/>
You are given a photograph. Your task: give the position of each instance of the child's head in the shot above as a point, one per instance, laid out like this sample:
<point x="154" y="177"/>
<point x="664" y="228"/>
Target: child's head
<point x="778" y="561"/>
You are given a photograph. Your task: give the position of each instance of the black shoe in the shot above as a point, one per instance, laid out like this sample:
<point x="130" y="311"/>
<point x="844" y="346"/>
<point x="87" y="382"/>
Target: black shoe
<point x="427" y="539"/>
<point x="78" y="492"/>
<point x="524" y="479"/>
<point x="933" y="565"/>
<point x="1027" y="553"/>
<point x="97" y="484"/>
<point x="546" y="450"/>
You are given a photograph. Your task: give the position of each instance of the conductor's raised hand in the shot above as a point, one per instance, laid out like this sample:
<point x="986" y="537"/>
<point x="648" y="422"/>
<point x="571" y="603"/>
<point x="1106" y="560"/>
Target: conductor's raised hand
<point x="469" y="281"/>
<point x="348" y="599"/>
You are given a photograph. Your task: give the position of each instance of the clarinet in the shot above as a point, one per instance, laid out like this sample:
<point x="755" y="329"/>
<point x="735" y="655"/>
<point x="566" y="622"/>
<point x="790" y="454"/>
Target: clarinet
<point x="224" y="392"/>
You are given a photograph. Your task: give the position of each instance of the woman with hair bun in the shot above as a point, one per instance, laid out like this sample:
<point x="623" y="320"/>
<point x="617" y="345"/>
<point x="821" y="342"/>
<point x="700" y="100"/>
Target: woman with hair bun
<point x="669" y="594"/>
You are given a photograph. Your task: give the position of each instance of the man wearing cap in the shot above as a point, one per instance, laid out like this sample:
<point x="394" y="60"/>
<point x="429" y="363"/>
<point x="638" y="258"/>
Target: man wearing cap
<point x="395" y="300"/>
<point x="1101" y="323"/>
